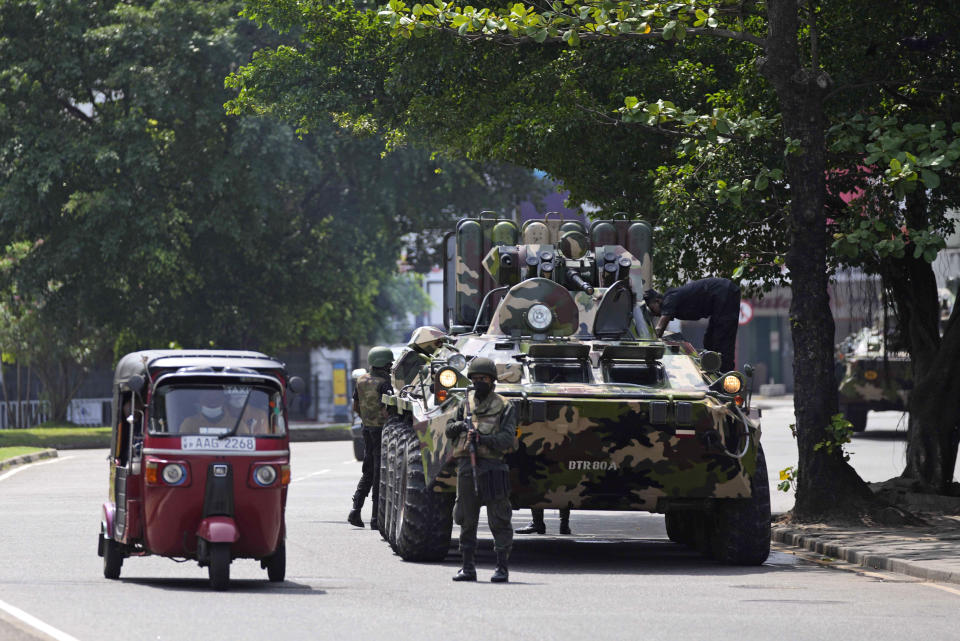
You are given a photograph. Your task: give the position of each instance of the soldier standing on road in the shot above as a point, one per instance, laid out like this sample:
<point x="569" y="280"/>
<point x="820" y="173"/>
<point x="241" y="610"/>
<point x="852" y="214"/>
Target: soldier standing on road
<point x="715" y="298"/>
<point x="492" y="428"/>
<point x="537" y="525"/>
<point x="367" y="395"/>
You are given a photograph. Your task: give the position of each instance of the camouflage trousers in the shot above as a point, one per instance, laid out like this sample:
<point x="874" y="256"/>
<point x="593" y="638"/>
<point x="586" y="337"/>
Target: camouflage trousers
<point x="467" y="516"/>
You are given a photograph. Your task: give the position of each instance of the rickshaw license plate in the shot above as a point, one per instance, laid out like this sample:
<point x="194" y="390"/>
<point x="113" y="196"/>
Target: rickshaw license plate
<point x="229" y="444"/>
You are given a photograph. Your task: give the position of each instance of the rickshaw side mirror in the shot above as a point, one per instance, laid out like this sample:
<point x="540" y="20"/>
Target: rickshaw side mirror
<point x="135" y="383"/>
<point x="295" y="384"/>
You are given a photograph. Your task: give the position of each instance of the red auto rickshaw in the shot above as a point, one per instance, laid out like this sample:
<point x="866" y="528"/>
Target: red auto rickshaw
<point x="199" y="460"/>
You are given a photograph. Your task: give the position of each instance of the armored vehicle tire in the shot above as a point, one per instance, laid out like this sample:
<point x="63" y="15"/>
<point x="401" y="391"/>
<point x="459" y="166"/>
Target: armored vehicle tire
<point x="381" y="507"/>
<point x="398" y="470"/>
<point x="741" y="527"/>
<point x="425" y="519"/>
<point x="857" y="415"/>
<point x="112" y="558"/>
<point x="389" y="476"/>
<point x="680" y="527"/>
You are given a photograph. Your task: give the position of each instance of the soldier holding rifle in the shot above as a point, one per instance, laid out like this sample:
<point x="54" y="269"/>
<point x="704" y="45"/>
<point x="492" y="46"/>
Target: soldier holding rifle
<point x="485" y="428"/>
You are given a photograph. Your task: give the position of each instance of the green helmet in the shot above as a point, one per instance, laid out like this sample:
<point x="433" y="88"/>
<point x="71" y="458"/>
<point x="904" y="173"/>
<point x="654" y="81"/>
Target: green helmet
<point x="482" y="366"/>
<point x="379" y="356"/>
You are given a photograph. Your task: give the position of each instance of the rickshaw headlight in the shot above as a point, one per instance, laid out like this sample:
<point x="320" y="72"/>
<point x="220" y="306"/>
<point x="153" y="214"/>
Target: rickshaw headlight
<point x="174" y="474"/>
<point x="265" y="475"/>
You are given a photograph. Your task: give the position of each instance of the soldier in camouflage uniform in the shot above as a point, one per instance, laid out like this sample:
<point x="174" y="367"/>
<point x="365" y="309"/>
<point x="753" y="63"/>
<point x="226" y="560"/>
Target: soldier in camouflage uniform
<point x="367" y="395"/>
<point x="492" y="428"/>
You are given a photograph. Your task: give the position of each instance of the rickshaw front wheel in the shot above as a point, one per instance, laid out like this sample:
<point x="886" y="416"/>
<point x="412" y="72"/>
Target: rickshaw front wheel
<point x="219" y="567"/>
<point x="277" y="564"/>
<point x="112" y="558"/>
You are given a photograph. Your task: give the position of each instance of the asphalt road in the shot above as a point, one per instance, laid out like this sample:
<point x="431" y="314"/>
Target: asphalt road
<point x="616" y="578"/>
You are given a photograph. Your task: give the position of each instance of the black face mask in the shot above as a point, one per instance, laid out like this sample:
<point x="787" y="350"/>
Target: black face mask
<point x="482" y="390"/>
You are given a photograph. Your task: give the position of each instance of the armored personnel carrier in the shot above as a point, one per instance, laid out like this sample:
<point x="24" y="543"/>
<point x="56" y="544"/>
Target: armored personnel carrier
<point x="610" y="417"/>
<point x="871" y="376"/>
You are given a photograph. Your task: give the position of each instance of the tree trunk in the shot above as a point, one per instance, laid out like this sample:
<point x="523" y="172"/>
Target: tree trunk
<point x="827" y="486"/>
<point x="934" y="402"/>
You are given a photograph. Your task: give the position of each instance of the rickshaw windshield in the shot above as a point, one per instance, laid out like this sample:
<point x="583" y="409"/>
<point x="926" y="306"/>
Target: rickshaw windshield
<point x="217" y="410"/>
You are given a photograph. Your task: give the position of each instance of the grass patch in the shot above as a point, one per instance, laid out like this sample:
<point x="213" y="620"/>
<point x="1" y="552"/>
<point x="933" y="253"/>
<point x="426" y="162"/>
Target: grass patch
<point x="11" y="452"/>
<point x="60" y="438"/>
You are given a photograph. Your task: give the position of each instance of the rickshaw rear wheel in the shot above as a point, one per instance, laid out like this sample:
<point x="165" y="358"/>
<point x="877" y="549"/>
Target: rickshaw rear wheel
<point x="219" y="568"/>
<point x="277" y="564"/>
<point x="112" y="558"/>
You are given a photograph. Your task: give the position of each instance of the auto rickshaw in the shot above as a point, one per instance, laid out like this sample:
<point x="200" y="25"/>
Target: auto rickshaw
<point x="199" y="460"/>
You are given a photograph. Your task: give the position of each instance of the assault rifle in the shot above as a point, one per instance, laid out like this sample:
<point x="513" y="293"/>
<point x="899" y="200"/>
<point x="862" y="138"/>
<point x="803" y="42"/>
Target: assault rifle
<point x="471" y="443"/>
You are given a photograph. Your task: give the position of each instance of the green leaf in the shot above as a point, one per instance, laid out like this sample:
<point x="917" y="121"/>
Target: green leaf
<point x="930" y="179"/>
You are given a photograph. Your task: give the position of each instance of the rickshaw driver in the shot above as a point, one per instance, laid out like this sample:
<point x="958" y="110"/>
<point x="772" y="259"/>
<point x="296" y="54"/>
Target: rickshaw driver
<point x="212" y="413"/>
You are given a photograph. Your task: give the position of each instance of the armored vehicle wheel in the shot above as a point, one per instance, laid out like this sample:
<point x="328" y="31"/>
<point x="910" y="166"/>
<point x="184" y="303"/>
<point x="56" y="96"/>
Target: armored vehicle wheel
<point x="680" y="527"/>
<point x="277" y="564"/>
<point x="741" y="527"/>
<point x="219" y="567"/>
<point x="399" y="486"/>
<point x="112" y="558"/>
<point x="426" y="517"/>
<point x="382" y="492"/>
<point x="857" y="415"/>
<point x="390" y="508"/>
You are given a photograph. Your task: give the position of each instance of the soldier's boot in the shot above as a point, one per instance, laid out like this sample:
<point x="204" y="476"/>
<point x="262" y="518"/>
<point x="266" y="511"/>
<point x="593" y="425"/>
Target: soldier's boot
<point x="536" y="525"/>
<point x="565" y="522"/>
<point x="469" y="571"/>
<point x="354" y="516"/>
<point x="502" y="573"/>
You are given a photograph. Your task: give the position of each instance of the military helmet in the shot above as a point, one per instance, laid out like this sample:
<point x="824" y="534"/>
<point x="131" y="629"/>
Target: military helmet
<point x="482" y="366"/>
<point x="379" y="356"/>
<point x="426" y="339"/>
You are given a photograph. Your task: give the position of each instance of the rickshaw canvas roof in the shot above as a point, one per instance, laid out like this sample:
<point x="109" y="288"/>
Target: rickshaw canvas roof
<point x="143" y="362"/>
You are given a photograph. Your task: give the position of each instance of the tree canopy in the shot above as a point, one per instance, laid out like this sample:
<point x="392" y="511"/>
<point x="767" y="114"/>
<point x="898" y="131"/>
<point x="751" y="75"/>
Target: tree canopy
<point x="131" y="203"/>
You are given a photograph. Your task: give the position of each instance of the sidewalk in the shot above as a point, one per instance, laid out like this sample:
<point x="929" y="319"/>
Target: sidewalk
<point x="27" y="458"/>
<point x="930" y="552"/>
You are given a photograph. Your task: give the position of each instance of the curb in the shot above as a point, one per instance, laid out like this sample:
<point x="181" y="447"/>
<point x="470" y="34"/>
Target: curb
<point x="823" y="544"/>
<point x="23" y="459"/>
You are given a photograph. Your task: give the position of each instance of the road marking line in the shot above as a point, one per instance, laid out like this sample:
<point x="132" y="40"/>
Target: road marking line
<point x="942" y="587"/>
<point x="36" y="623"/>
<point x="300" y="478"/>
<point x="21" y="468"/>
<point x="353" y="460"/>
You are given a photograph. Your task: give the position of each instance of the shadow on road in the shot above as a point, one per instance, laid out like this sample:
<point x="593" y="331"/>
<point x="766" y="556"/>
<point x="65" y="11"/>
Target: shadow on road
<point x="599" y="556"/>
<point x="245" y="586"/>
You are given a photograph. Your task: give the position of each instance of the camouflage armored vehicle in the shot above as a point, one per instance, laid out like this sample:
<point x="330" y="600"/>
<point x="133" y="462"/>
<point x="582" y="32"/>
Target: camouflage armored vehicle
<point x="609" y="416"/>
<point x="872" y="377"/>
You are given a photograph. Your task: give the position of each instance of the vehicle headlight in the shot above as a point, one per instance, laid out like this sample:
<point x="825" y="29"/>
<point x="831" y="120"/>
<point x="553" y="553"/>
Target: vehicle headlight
<point x="448" y="377"/>
<point x="174" y="474"/>
<point x="539" y="317"/>
<point x="732" y="384"/>
<point x="457" y="361"/>
<point x="265" y="475"/>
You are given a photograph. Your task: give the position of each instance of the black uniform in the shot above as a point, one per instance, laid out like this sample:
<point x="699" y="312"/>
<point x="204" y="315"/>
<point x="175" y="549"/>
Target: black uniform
<point x="715" y="298"/>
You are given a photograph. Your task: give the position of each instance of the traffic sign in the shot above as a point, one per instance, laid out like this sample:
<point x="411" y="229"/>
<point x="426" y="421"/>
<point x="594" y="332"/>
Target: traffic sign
<point x="746" y="312"/>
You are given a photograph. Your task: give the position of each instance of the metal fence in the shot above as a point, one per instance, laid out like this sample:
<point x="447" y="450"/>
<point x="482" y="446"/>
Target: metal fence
<point x="23" y="414"/>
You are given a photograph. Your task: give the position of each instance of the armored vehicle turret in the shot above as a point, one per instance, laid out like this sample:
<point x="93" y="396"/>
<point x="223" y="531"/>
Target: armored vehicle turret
<point x="610" y="417"/>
